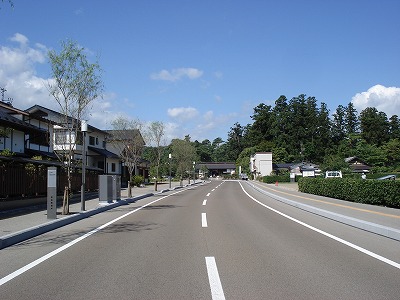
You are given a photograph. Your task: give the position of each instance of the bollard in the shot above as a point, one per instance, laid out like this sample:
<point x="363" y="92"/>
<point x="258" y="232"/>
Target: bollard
<point x="276" y="183"/>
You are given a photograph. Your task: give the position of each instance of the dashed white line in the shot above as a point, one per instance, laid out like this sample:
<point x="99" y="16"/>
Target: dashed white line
<point x="208" y="195"/>
<point x="212" y="190"/>
<point x="204" y="201"/>
<point x="204" y="220"/>
<point x="217" y="293"/>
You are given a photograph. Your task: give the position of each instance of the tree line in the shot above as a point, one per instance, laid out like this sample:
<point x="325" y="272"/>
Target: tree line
<point x="300" y="130"/>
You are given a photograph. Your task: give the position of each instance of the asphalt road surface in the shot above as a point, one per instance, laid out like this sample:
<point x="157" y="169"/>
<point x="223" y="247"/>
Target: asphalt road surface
<point x="220" y="240"/>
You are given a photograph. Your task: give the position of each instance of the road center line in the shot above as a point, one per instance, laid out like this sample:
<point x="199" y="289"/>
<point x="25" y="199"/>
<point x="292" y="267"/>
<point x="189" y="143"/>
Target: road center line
<point x="358" y="248"/>
<point x="208" y="195"/>
<point x="66" y="246"/>
<point x="204" y="220"/>
<point x="217" y="293"/>
<point x="204" y="202"/>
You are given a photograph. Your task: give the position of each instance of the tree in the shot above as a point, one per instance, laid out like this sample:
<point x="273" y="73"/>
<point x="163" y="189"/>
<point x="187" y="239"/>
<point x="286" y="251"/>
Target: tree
<point x="76" y="83"/>
<point x="184" y="154"/>
<point x="374" y="126"/>
<point x="338" y="124"/>
<point x="351" y="119"/>
<point x="156" y="132"/>
<point x="127" y="139"/>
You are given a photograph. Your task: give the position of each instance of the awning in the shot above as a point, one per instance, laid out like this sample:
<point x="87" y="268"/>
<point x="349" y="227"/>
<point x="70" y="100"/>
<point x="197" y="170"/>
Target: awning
<point x="103" y="152"/>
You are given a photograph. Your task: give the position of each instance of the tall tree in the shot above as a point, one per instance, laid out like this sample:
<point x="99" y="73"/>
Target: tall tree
<point x="127" y="140"/>
<point x="351" y="119"/>
<point x="156" y="132"/>
<point x="184" y="154"/>
<point x="76" y="83"/>
<point x="338" y="124"/>
<point x="374" y="126"/>
<point x="394" y="127"/>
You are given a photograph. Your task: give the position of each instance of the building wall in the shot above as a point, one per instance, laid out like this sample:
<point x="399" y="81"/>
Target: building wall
<point x="261" y="164"/>
<point x="14" y="142"/>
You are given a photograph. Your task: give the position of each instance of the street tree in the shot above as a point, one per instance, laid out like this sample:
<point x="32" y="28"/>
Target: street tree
<point x="75" y="84"/>
<point x="184" y="154"/>
<point x="155" y="134"/>
<point x="126" y="139"/>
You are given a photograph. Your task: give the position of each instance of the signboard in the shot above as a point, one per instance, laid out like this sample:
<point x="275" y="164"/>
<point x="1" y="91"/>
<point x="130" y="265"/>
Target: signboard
<point x="309" y="173"/>
<point x="51" y="193"/>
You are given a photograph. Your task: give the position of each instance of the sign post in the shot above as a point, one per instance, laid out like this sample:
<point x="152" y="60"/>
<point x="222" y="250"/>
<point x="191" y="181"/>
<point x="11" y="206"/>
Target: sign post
<point x="51" y="193"/>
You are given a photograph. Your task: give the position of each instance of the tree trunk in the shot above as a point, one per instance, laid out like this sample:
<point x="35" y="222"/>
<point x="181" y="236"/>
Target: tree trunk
<point x="129" y="189"/>
<point x="65" y="207"/>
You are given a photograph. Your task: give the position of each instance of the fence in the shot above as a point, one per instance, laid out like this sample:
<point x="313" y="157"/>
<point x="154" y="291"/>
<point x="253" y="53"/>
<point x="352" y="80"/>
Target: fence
<point x="18" y="180"/>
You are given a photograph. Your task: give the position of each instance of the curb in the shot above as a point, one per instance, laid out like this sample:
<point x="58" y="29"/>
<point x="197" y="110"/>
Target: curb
<point x="386" y="231"/>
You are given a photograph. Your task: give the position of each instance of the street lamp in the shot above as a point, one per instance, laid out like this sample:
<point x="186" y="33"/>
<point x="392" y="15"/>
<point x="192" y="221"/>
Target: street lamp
<point x="84" y="129"/>
<point x="194" y="172"/>
<point x="170" y="157"/>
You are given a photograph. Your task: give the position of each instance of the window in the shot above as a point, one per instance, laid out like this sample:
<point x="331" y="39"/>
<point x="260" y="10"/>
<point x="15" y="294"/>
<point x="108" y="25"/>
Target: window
<point x="97" y="140"/>
<point x="91" y="140"/>
<point x="112" y="167"/>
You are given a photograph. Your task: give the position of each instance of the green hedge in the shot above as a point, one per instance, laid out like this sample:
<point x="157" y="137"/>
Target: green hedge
<point x="376" y="192"/>
<point x="275" y="178"/>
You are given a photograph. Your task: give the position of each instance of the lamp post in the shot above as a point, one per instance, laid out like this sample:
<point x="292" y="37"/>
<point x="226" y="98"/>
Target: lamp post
<point x="170" y="157"/>
<point x="84" y="129"/>
<point x="194" y="172"/>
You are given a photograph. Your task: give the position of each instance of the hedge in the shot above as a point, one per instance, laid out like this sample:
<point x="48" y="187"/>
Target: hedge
<point x="376" y="192"/>
<point x="275" y="178"/>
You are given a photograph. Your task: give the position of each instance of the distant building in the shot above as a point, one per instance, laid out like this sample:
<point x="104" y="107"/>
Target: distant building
<point x="261" y="164"/>
<point x="357" y="165"/>
<point x="214" y="169"/>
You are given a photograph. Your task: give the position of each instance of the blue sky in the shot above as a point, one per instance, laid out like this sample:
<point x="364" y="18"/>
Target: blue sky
<point x="201" y="66"/>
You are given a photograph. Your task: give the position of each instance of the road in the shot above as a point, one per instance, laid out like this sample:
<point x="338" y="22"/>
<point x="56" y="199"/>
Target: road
<point x="220" y="240"/>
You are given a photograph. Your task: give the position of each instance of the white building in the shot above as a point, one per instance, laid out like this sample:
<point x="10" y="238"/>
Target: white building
<point x="261" y="164"/>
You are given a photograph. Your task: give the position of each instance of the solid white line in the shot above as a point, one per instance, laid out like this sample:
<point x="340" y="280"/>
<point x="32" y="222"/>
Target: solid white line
<point x="365" y="251"/>
<point x="204" y="201"/>
<point x="66" y="246"/>
<point x="217" y="293"/>
<point x="204" y="220"/>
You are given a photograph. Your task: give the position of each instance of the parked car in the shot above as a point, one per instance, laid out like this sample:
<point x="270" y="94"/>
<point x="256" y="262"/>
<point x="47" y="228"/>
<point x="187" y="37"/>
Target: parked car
<point x="387" y="177"/>
<point x="333" y="174"/>
<point x="243" y="176"/>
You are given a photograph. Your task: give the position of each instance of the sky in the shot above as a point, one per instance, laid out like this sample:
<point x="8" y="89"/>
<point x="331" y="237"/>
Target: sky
<point x="201" y="66"/>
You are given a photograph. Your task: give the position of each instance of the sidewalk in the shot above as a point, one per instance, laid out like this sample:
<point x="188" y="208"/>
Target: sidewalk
<point x="27" y="223"/>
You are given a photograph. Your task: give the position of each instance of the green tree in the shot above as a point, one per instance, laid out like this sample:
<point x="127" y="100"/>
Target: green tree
<point x="351" y="119"/>
<point x="155" y="134"/>
<point x="184" y="154"/>
<point x="394" y="127"/>
<point x="75" y="84"/>
<point x="374" y="126"/>
<point x="339" y="124"/>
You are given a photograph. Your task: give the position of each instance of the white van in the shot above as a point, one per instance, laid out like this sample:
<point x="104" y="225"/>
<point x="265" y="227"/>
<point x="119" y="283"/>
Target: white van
<point x="333" y="174"/>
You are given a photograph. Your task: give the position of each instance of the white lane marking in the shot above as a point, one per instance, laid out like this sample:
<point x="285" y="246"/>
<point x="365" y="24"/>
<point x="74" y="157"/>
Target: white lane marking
<point x="358" y="248"/>
<point x="204" y="201"/>
<point x="212" y="190"/>
<point x="204" y="220"/>
<point x="217" y="293"/>
<point x="208" y="195"/>
<point x="66" y="246"/>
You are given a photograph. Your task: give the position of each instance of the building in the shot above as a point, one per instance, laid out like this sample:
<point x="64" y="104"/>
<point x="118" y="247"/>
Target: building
<point x="357" y="165"/>
<point x="214" y="169"/>
<point x="261" y="164"/>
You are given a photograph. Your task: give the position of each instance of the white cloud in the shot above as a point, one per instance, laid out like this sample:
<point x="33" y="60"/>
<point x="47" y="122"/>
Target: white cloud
<point x="385" y="99"/>
<point x="177" y="74"/>
<point x="182" y="113"/>
<point x="20" y="38"/>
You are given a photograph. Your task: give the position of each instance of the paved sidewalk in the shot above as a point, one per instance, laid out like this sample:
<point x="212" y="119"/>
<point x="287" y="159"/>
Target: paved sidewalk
<point x="25" y="224"/>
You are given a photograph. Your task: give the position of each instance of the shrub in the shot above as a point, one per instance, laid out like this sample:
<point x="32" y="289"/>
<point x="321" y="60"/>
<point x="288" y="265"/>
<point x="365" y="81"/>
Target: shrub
<point x="137" y="180"/>
<point x="275" y="178"/>
<point x="376" y="192"/>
